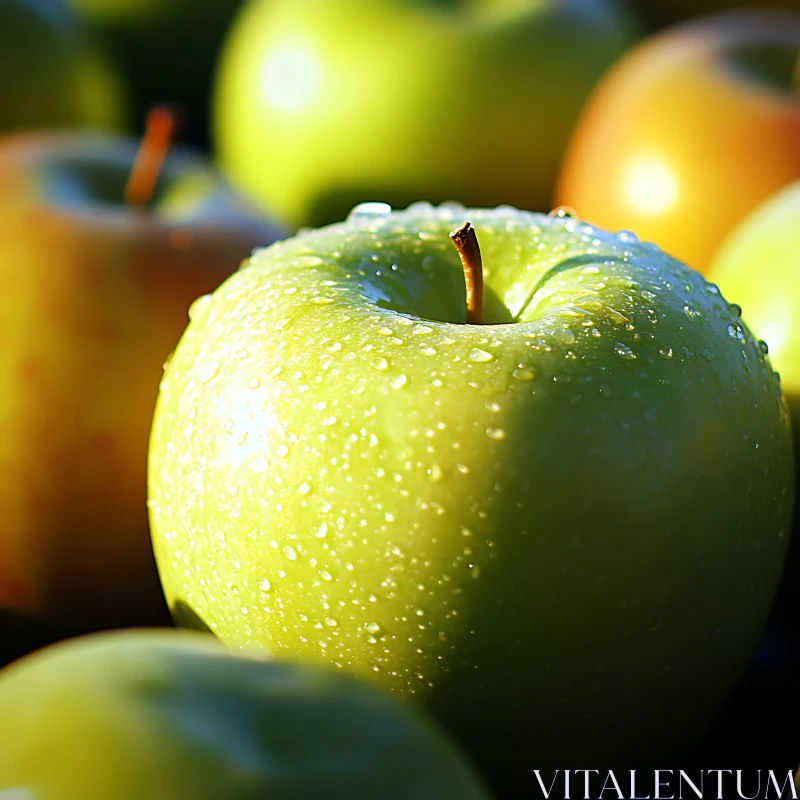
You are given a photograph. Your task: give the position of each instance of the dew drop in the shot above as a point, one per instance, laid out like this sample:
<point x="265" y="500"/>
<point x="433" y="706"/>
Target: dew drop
<point x="321" y="300"/>
<point x="304" y="489"/>
<point x="435" y="472"/>
<point x="522" y="373"/>
<point x="479" y="356"/>
<point x="764" y="347"/>
<point x="665" y="352"/>
<point x="627" y="237"/>
<point x="281" y="451"/>
<point x="264" y="585"/>
<point x="624" y="351"/>
<point x="209" y="370"/>
<point x="374" y="628"/>
<point x="400" y="381"/>
<point x="736" y="309"/>
<point x="496" y="433"/>
<point x="382" y="364"/>
<point x="200" y="307"/>
<point x="564" y="336"/>
<point x="422" y="330"/>
<point x="254" y="383"/>
<point x="290" y="552"/>
<point x="561" y="212"/>
<point x="370" y="209"/>
<point x="331" y="622"/>
<point x="322" y="531"/>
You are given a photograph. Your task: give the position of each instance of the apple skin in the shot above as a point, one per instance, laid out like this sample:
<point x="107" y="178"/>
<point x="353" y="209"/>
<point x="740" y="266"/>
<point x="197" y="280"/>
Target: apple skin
<point x="168" y="50"/>
<point x="171" y="715"/>
<point x="666" y="144"/>
<point x="551" y="533"/>
<point x="60" y="77"/>
<point x="314" y="113"/>
<point x="95" y="297"/>
<point x="758" y="261"/>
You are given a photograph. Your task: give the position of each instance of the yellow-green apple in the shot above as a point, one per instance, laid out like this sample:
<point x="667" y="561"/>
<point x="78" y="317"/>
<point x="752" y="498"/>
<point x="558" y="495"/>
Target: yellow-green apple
<point x="689" y="132"/>
<point x="321" y="104"/>
<point x="95" y="296"/>
<point x="168" y="50"/>
<point x="758" y="262"/>
<point x="171" y="715"/>
<point x="55" y="75"/>
<point x="551" y="528"/>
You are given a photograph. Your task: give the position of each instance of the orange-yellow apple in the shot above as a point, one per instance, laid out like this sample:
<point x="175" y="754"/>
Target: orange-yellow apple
<point x="689" y="132"/>
<point x="94" y="297"/>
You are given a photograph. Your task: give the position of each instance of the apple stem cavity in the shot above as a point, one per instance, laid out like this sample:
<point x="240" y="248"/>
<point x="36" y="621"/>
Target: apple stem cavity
<point x="466" y="241"/>
<point x="159" y="130"/>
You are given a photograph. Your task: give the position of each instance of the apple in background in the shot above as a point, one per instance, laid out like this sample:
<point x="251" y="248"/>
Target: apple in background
<point x="321" y="104"/>
<point x="689" y="132"/>
<point x="168" y="715"/>
<point x="759" y="263"/>
<point x="168" y="50"/>
<point x="551" y="529"/>
<point x="95" y="296"/>
<point x="54" y="74"/>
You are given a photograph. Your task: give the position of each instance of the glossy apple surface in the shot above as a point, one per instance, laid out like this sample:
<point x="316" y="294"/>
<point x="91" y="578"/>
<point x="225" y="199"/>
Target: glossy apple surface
<point x="320" y="105"/>
<point x="550" y="529"/>
<point x="95" y="296"/>
<point x="173" y="716"/>
<point x="758" y="263"/>
<point x="689" y="132"/>
<point x="167" y="49"/>
<point x="55" y="76"/>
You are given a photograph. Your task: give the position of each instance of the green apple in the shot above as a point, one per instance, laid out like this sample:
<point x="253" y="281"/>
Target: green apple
<point x="169" y="715"/>
<point x="321" y="104"/>
<point x="553" y="529"/>
<point x="758" y="262"/>
<point x="168" y="49"/>
<point x="95" y="296"/>
<point x="55" y="75"/>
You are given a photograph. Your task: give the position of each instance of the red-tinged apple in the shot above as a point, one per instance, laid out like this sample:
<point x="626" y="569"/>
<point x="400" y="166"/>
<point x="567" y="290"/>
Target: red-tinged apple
<point x="94" y="297"/>
<point x="551" y="528"/>
<point x="322" y="104"/>
<point x="689" y="132"/>
<point x="54" y="75"/>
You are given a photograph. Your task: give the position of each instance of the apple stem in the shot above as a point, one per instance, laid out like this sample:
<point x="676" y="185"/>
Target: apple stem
<point x="159" y="130"/>
<point x="466" y="241"/>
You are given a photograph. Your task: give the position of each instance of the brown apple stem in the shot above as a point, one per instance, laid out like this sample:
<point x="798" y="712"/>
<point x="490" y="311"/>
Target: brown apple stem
<point x="159" y="130"/>
<point x="466" y="242"/>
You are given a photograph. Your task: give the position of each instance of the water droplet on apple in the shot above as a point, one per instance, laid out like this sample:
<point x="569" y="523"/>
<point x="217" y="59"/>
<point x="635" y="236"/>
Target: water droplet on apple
<point x="735" y="331"/>
<point x="624" y="351"/>
<point x="496" y="433"/>
<point x="200" y="307"/>
<point x="209" y="370"/>
<point x="706" y="354"/>
<point x="627" y="237"/>
<point x="605" y="390"/>
<point x="321" y="300"/>
<point x="371" y="209"/>
<point x="254" y="383"/>
<point x="322" y="531"/>
<point x="325" y="575"/>
<point x="435" y="472"/>
<point x="384" y="331"/>
<point x="382" y="364"/>
<point x="764" y="347"/>
<point x="523" y="373"/>
<point x="331" y="622"/>
<point x="400" y="381"/>
<point x="373" y="628"/>
<point x="290" y="552"/>
<point x="665" y="352"/>
<point x="422" y="330"/>
<point x="562" y="212"/>
<point x="264" y="585"/>
<point x="304" y="489"/>
<point x="564" y="336"/>
<point x="430" y="351"/>
<point x="479" y="356"/>
<point x="281" y="451"/>
<point x="736" y="309"/>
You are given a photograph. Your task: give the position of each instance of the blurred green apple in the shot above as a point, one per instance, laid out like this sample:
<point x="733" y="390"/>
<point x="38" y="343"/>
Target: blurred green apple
<point x="171" y="715"/>
<point x="321" y="104"/>
<point x="168" y="49"/>
<point x="54" y="74"/>
<point x="95" y="296"/>
<point x="552" y="528"/>
<point x="759" y="262"/>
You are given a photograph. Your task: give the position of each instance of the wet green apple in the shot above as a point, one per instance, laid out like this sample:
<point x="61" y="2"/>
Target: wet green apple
<point x="321" y="104"/>
<point x="55" y="74"/>
<point x="172" y="715"/>
<point x="552" y="528"/>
